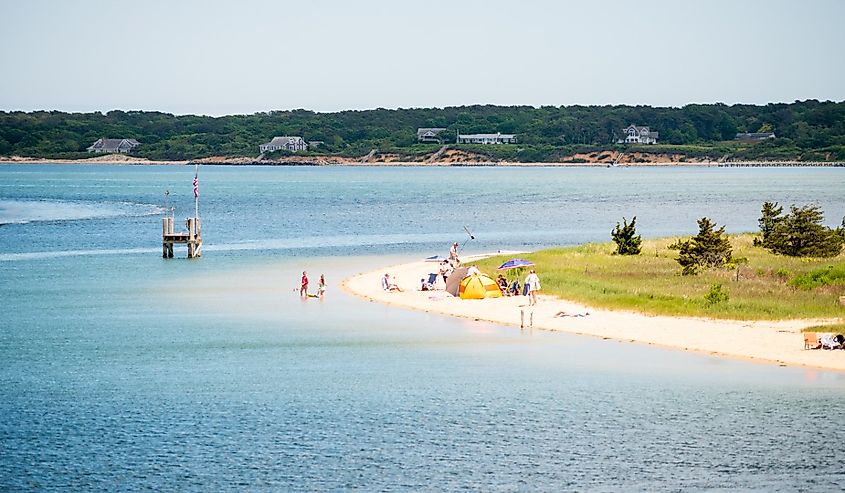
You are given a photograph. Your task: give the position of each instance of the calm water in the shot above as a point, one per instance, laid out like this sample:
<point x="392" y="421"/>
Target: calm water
<point x="223" y="379"/>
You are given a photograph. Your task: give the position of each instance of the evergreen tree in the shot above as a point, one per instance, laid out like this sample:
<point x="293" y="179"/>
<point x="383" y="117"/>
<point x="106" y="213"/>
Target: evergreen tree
<point x="769" y="219"/>
<point x="626" y="238"/>
<point x="802" y="234"/>
<point x="709" y="248"/>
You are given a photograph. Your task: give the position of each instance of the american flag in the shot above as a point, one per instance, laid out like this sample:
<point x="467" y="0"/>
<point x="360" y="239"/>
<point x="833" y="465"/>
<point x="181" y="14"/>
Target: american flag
<point x="196" y="187"/>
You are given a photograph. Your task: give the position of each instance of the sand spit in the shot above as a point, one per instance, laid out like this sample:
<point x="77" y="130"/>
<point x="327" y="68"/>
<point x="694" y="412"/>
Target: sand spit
<point x="778" y="342"/>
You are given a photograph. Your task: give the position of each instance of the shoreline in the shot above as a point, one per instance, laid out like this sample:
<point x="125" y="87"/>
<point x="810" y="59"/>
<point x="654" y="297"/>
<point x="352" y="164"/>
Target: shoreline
<point x="764" y="341"/>
<point x="332" y="161"/>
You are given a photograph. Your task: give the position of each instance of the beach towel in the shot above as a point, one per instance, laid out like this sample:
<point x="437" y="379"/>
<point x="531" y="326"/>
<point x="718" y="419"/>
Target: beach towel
<point x="831" y="341"/>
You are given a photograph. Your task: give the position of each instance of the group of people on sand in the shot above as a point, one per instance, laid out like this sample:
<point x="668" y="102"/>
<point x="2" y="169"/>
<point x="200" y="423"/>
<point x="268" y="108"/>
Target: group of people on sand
<point x="303" y="287"/>
<point x="531" y="287"/>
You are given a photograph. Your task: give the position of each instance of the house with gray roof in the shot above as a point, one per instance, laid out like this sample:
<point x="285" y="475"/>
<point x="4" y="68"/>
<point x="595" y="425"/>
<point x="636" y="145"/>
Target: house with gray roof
<point x="754" y="136"/>
<point x="122" y="146"/>
<point x="286" y="142"/>
<point x="497" y="138"/>
<point x="430" y="135"/>
<point x="639" y="135"/>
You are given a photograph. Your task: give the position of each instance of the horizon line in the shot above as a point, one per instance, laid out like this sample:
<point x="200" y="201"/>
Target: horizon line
<point x="402" y="108"/>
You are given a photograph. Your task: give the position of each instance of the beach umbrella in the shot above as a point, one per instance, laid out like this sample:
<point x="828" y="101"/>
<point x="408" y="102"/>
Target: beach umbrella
<point x="435" y="258"/>
<point x="515" y="263"/>
<point x="453" y="282"/>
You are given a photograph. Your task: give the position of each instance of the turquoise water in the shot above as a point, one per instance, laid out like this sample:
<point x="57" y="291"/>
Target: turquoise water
<point x="123" y="371"/>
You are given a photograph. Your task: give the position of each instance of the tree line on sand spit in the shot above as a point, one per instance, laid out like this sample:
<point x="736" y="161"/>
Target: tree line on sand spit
<point x="799" y="233"/>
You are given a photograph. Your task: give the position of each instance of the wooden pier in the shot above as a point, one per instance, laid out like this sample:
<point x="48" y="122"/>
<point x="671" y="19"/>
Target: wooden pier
<point x="778" y="164"/>
<point x="192" y="237"/>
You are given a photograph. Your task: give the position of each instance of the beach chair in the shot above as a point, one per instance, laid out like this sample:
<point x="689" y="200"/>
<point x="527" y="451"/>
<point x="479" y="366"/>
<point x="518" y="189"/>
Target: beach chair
<point x="811" y="340"/>
<point x="432" y="280"/>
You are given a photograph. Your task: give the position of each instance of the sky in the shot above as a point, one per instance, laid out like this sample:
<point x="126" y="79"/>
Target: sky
<point x="246" y="56"/>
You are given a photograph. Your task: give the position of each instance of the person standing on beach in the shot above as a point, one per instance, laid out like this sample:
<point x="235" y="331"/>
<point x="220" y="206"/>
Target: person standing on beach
<point x="453" y="256"/>
<point x="445" y="270"/>
<point x="533" y="283"/>
<point x="303" y="286"/>
<point x="321" y="288"/>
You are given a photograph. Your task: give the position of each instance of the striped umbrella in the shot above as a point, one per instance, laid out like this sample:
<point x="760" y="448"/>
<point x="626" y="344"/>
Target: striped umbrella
<point x="515" y="263"/>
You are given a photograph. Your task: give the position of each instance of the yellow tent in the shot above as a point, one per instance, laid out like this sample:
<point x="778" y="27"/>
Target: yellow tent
<point x="478" y="286"/>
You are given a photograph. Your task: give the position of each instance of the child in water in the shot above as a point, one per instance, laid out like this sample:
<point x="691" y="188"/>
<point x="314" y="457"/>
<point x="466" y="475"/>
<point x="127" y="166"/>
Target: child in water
<point x="321" y="288"/>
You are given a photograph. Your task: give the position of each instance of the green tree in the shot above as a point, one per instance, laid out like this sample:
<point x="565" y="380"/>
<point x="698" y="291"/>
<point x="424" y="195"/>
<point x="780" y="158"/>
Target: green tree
<point x="626" y="238"/>
<point x="802" y="234"/>
<point x="770" y="217"/>
<point x="709" y="248"/>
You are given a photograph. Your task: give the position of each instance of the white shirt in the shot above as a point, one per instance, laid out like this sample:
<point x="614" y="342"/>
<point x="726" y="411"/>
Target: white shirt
<point x="533" y="282"/>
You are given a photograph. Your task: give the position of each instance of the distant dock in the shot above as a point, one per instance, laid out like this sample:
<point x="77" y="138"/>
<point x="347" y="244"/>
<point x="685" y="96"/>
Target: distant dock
<point x="779" y="164"/>
<point x="192" y="237"/>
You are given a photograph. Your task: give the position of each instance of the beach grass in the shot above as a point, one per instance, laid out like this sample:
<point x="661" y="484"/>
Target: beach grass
<point x="833" y="328"/>
<point x="762" y="288"/>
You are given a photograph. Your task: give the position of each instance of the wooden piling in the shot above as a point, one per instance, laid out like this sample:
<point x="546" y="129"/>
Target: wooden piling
<point x="192" y="237"/>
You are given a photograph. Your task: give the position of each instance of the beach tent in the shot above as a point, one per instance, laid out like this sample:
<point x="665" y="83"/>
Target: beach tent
<point x="479" y="286"/>
<point x="453" y="282"/>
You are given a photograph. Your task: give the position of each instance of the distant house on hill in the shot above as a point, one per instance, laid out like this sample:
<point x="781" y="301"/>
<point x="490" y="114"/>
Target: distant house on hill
<point x="486" y="139"/>
<point x="286" y="142"/>
<point x="122" y="146"/>
<point x="430" y="135"/>
<point x="754" y="136"/>
<point x="638" y="135"/>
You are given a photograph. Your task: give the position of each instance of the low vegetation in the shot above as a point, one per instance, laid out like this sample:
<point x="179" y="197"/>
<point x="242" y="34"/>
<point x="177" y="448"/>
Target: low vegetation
<point x="833" y="328"/>
<point x="765" y="286"/>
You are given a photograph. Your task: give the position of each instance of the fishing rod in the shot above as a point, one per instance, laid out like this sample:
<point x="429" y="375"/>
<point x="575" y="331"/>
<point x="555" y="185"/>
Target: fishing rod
<point x="470" y="236"/>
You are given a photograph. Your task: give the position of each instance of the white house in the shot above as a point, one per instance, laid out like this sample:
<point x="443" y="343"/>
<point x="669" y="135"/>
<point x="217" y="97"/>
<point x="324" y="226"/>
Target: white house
<point x="429" y="135"/>
<point x="122" y="146"/>
<point x="639" y="135"/>
<point x="486" y="139"/>
<point x="286" y="143"/>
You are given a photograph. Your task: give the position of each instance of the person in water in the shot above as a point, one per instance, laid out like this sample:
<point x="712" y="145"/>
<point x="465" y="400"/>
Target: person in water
<point x="303" y="286"/>
<point x="321" y="288"/>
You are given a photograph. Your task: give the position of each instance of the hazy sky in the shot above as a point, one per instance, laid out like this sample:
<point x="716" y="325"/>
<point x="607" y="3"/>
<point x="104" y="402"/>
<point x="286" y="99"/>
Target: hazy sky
<point x="214" y="57"/>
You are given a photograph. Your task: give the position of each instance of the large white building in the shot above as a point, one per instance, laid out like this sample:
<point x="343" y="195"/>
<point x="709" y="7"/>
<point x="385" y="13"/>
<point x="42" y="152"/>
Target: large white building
<point x="285" y="142"/>
<point x="486" y="139"/>
<point x="639" y="135"/>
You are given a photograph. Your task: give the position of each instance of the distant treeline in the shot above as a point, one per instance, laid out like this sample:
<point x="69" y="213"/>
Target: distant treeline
<point x="806" y="130"/>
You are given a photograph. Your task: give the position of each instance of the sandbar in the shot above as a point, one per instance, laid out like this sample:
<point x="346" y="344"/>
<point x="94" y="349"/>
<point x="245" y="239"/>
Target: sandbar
<point x="775" y="342"/>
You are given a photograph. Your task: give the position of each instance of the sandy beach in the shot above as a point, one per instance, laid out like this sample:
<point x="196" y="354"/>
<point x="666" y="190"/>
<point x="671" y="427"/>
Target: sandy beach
<point x="778" y="342"/>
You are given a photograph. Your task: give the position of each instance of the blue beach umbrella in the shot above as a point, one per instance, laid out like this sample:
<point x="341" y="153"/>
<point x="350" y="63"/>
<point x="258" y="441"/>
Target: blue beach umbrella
<point x="515" y="263"/>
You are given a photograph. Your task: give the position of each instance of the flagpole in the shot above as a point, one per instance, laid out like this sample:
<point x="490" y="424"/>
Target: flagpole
<point x="196" y="191"/>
